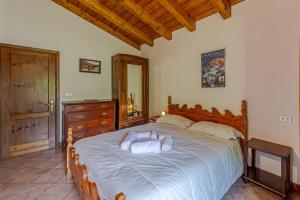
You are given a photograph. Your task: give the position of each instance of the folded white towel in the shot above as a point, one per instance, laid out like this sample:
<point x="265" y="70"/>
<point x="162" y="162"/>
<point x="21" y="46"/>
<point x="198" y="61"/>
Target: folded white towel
<point x="142" y="135"/>
<point x="161" y="136"/>
<point x="147" y="142"/>
<point x="148" y="146"/>
<point x="132" y="137"/>
<point x="128" y="139"/>
<point x="167" y="143"/>
<point x="154" y="135"/>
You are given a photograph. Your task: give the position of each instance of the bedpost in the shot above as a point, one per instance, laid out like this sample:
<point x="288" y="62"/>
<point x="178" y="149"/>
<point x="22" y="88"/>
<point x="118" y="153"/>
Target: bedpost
<point x="244" y="141"/>
<point x="69" y="146"/>
<point x="169" y="103"/>
<point x="120" y="196"/>
<point x="245" y="119"/>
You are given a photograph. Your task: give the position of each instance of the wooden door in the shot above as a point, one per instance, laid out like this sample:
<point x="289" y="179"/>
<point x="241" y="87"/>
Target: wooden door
<point x="28" y="100"/>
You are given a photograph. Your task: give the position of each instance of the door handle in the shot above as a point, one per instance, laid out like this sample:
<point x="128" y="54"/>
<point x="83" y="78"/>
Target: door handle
<point x="51" y="104"/>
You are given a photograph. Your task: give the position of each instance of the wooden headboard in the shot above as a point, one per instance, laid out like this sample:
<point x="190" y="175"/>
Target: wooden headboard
<point x="198" y="114"/>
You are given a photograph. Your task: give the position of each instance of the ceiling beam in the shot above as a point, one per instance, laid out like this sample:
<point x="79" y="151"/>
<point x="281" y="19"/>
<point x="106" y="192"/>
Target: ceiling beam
<point x="98" y="23"/>
<point x="146" y="17"/>
<point x="108" y="14"/>
<point x="179" y="13"/>
<point x="224" y="7"/>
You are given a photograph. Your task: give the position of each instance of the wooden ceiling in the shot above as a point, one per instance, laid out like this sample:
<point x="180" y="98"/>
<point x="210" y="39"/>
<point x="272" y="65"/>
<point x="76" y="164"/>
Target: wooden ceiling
<point x="139" y="22"/>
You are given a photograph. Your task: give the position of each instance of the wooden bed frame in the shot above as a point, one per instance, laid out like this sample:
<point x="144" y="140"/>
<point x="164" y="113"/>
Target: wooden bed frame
<point x="88" y="190"/>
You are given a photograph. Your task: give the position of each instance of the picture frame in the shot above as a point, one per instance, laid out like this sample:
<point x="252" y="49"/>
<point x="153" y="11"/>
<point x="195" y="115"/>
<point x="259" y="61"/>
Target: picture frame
<point x="213" y="69"/>
<point x="89" y="66"/>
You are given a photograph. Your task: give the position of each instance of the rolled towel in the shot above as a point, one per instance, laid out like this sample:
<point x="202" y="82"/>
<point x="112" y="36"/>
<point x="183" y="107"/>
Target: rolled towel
<point x="154" y="135"/>
<point x="128" y="139"/>
<point x="167" y="143"/>
<point x="142" y="135"/>
<point x="161" y="136"/>
<point x="149" y="146"/>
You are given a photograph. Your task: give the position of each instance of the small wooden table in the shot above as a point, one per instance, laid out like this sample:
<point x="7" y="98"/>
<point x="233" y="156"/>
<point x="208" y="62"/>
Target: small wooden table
<point x="272" y="182"/>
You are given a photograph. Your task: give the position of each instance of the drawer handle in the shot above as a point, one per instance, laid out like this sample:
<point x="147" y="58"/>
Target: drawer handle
<point x="104" y="122"/>
<point x="80" y="117"/>
<point x="80" y="107"/>
<point x="104" y="114"/>
<point x="103" y="106"/>
<point x="79" y="127"/>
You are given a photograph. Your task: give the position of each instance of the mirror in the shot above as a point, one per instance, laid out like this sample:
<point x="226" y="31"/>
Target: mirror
<point x="134" y="90"/>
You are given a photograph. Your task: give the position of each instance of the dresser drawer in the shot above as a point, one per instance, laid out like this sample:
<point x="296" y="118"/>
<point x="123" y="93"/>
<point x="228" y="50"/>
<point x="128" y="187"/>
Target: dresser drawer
<point x="88" y="119"/>
<point x="101" y="123"/>
<point x="78" y="108"/>
<point x="99" y="130"/>
<point x="77" y="126"/>
<point x="84" y="116"/>
<point x="91" y="132"/>
<point x="108" y="105"/>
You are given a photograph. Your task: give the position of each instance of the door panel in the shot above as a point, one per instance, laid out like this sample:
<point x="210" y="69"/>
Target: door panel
<point x="29" y="130"/>
<point x="30" y="77"/>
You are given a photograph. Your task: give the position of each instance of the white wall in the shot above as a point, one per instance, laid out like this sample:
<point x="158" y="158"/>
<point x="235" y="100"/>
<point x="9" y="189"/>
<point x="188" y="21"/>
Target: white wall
<point x="44" y="24"/>
<point x="262" y="66"/>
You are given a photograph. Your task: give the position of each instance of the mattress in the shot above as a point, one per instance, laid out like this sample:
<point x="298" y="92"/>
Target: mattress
<point x="200" y="166"/>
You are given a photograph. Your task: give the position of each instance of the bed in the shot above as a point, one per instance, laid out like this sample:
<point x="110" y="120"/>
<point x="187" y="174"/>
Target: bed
<point x="199" y="167"/>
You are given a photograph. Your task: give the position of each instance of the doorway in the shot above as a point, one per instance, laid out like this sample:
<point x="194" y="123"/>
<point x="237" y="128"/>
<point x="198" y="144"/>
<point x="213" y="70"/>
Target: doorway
<point x="29" y="99"/>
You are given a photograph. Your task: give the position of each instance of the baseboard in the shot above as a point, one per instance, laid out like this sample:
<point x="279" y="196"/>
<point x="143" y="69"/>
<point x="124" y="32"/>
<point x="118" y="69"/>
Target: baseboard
<point x="295" y="187"/>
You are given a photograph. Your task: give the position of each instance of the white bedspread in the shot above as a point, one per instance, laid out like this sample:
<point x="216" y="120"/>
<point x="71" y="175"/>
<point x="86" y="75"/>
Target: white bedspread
<point x="200" y="167"/>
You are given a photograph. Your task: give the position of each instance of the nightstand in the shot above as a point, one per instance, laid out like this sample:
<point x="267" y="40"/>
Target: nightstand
<point x="279" y="185"/>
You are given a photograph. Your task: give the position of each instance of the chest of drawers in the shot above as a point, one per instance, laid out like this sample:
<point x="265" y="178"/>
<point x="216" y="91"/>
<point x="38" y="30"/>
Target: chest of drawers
<point x="88" y="118"/>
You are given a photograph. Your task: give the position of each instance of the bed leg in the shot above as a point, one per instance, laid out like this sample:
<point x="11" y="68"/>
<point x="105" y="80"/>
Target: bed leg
<point x="69" y="146"/>
<point x="120" y="196"/>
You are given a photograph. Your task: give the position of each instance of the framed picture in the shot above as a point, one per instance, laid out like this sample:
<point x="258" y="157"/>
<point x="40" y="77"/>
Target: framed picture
<point x="89" y="66"/>
<point x="213" y="69"/>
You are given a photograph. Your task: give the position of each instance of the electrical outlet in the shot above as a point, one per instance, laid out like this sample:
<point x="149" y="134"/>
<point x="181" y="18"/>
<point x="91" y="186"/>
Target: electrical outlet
<point x="68" y="94"/>
<point x="283" y="118"/>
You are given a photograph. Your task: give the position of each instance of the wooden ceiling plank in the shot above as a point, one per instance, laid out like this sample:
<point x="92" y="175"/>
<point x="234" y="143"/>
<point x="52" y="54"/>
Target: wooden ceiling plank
<point x="74" y="9"/>
<point x="224" y="7"/>
<point x="108" y="14"/>
<point x="179" y="13"/>
<point x="146" y="17"/>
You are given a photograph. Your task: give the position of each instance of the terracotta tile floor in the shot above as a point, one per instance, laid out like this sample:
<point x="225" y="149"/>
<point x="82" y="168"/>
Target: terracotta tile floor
<point x="41" y="176"/>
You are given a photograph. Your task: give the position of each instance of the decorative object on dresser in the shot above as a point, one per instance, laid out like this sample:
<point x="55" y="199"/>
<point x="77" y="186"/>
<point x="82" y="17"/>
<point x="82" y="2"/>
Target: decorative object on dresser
<point x="130" y="89"/>
<point x="89" y="66"/>
<point x="274" y="183"/>
<point x="213" y="69"/>
<point x="88" y="118"/>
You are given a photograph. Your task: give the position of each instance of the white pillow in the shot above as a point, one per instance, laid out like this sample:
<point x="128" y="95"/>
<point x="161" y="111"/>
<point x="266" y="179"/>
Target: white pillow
<point x="216" y="129"/>
<point x="176" y="120"/>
